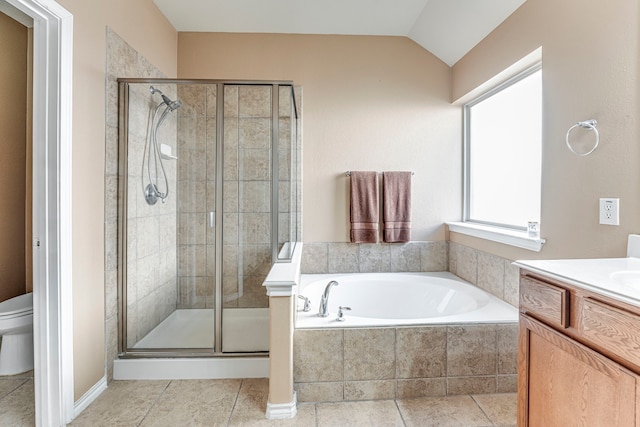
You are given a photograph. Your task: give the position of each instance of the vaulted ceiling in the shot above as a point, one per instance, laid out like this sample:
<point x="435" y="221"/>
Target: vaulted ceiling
<point x="446" y="28"/>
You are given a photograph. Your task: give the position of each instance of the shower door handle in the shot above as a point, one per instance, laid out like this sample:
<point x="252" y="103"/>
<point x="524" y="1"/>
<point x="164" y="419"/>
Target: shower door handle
<point x="212" y="219"/>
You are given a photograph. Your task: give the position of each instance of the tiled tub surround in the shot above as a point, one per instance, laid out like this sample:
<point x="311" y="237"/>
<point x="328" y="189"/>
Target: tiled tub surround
<point x="404" y="362"/>
<point x="378" y="300"/>
<point x="492" y="273"/>
<point x="320" y="258"/>
<point x="412" y="361"/>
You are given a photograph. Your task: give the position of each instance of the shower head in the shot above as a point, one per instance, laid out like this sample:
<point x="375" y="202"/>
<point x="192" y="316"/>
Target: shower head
<point x="173" y="105"/>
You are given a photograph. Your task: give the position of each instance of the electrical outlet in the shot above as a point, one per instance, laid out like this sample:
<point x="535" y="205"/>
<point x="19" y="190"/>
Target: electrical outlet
<point x="610" y="211"/>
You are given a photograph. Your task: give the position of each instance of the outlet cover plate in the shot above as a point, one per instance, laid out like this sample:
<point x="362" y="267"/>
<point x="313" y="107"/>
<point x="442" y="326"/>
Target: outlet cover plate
<point x="610" y="211"/>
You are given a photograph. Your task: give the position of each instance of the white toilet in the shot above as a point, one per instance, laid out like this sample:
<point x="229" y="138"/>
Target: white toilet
<point x="16" y="330"/>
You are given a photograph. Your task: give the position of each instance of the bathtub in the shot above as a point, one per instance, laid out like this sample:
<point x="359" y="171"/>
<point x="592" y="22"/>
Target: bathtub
<point x="399" y="299"/>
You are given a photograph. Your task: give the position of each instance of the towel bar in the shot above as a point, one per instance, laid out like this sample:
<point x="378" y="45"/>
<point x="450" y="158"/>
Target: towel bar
<point x="348" y="173"/>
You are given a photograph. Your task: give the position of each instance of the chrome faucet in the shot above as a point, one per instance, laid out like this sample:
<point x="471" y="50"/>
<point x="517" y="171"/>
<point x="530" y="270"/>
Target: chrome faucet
<point x="307" y="303"/>
<point x="341" y="311"/>
<point x="324" y="301"/>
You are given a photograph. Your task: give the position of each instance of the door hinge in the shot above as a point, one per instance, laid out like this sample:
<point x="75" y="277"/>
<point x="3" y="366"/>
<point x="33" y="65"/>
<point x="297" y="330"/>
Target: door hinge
<point x="36" y="242"/>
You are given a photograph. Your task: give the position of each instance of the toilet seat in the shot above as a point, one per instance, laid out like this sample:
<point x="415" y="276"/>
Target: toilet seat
<point x="21" y="305"/>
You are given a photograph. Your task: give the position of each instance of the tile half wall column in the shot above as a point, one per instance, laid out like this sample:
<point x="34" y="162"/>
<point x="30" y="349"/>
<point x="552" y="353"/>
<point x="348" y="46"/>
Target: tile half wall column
<point x="281" y="285"/>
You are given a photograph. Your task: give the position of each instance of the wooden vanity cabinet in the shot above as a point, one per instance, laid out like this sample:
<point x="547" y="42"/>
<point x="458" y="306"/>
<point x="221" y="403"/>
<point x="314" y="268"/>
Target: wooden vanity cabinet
<point x="578" y="357"/>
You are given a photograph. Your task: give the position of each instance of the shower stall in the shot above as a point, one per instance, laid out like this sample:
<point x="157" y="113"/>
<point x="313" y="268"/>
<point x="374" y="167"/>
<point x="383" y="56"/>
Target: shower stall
<point x="209" y="200"/>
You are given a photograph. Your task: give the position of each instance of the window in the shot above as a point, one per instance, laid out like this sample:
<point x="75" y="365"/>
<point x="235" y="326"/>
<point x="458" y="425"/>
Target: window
<point x="503" y="146"/>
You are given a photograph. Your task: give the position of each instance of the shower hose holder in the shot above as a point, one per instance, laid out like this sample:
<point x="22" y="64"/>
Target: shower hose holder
<point x="151" y="194"/>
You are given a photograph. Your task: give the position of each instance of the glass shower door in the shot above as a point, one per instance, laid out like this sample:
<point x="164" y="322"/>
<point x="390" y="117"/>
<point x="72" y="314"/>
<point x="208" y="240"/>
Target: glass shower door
<point x="192" y="264"/>
<point x="247" y="220"/>
<point x="196" y="211"/>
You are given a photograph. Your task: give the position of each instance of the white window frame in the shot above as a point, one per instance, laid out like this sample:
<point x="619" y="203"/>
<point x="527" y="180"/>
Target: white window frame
<point x="502" y="233"/>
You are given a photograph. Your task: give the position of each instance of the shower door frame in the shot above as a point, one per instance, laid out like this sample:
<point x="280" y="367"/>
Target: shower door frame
<point x="216" y="351"/>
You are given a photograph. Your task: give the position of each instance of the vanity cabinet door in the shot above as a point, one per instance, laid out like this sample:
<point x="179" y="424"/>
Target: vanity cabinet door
<point x="563" y="383"/>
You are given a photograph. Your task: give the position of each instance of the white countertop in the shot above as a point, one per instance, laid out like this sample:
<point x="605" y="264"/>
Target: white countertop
<point x="617" y="278"/>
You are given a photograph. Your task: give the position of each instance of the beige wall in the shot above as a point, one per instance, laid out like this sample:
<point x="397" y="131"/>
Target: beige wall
<point x="13" y="142"/>
<point x="380" y="103"/>
<point x="370" y="103"/>
<point x="590" y="70"/>
<point x="141" y="25"/>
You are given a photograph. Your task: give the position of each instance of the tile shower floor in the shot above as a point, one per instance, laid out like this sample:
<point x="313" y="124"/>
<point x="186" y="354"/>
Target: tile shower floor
<point x="244" y="329"/>
<point x="242" y="403"/>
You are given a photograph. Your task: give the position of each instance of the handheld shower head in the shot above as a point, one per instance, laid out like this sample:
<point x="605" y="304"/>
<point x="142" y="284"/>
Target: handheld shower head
<point x="173" y="105"/>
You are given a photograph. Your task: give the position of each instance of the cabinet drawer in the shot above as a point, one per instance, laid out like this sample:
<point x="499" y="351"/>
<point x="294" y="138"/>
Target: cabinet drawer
<point x="612" y="328"/>
<point x="546" y="302"/>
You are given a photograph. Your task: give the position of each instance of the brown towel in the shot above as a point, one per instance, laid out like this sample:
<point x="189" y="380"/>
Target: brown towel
<point x="396" y="196"/>
<point x="364" y="207"/>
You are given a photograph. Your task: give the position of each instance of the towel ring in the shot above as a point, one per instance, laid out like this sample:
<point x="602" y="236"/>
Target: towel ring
<point x="590" y="125"/>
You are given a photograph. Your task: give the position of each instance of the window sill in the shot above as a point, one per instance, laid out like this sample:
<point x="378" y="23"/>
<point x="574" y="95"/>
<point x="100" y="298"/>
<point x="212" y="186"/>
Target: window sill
<point x="519" y="239"/>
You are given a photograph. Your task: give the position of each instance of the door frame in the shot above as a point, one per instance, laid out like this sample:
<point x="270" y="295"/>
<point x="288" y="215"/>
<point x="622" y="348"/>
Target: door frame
<point x="52" y="238"/>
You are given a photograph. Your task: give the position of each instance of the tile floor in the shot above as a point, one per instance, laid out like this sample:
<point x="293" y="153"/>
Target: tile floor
<point x="16" y="400"/>
<point x="242" y="403"/>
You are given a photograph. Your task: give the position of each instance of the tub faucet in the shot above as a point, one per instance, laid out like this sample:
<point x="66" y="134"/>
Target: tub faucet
<point x="307" y="303"/>
<point x="324" y="301"/>
<point x="341" y="311"/>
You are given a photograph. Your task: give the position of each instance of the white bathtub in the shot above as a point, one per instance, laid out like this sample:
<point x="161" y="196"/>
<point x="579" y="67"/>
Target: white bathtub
<point x="395" y="299"/>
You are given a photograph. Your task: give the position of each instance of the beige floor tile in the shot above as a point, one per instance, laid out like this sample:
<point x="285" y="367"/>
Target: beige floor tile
<point x="25" y="375"/>
<point x="500" y="408"/>
<point x="243" y="403"/>
<point x="306" y="417"/>
<point x="194" y="403"/>
<point x="252" y="400"/>
<point x="353" y="414"/>
<point x="9" y="384"/>
<point x="124" y="403"/>
<point x="251" y="406"/>
<point x="17" y="409"/>
<point x="451" y="411"/>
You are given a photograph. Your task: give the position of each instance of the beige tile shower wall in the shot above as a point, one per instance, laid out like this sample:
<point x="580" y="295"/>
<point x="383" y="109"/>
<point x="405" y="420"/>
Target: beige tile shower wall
<point x="151" y="237"/>
<point x="490" y="272"/>
<point x="151" y="229"/>
<point x="286" y="119"/>
<point x="289" y="168"/>
<point x="196" y="195"/>
<point x="403" y="363"/>
<point x="247" y="188"/>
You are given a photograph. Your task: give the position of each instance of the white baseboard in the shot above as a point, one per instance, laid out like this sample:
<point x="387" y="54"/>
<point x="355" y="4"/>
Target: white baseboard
<point x="91" y="395"/>
<point x="186" y="369"/>
<point x="282" y="411"/>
